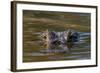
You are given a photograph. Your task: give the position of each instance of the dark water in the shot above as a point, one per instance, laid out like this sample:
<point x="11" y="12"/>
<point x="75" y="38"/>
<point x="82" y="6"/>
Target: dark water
<point x="34" y="22"/>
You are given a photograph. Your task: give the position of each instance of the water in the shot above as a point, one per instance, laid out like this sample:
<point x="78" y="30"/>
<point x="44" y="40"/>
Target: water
<point x="35" y="22"/>
<point x="71" y="51"/>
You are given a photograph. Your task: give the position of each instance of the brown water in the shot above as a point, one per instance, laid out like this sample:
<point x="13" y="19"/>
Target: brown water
<point x="35" y="22"/>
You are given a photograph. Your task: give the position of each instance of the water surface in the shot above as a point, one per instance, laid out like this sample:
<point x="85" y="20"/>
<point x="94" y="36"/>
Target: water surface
<point x="35" y="22"/>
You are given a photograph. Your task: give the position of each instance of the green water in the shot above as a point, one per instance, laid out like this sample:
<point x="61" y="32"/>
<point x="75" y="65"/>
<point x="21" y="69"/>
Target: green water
<point x="35" y="22"/>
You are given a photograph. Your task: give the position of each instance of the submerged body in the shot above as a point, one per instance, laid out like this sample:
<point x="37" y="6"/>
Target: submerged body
<point x="64" y="40"/>
<point x="61" y="37"/>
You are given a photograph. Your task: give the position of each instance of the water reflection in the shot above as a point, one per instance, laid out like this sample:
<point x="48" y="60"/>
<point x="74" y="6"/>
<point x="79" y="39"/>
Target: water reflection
<point x="58" y="48"/>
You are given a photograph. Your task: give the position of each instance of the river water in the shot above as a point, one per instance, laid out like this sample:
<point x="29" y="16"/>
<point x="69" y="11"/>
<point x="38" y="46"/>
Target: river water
<point x="34" y="22"/>
<point x="71" y="51"/>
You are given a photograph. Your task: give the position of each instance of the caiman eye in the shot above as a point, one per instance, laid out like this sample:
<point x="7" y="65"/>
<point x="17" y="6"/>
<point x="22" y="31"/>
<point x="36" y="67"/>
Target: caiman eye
<point x="44" y="37"/>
